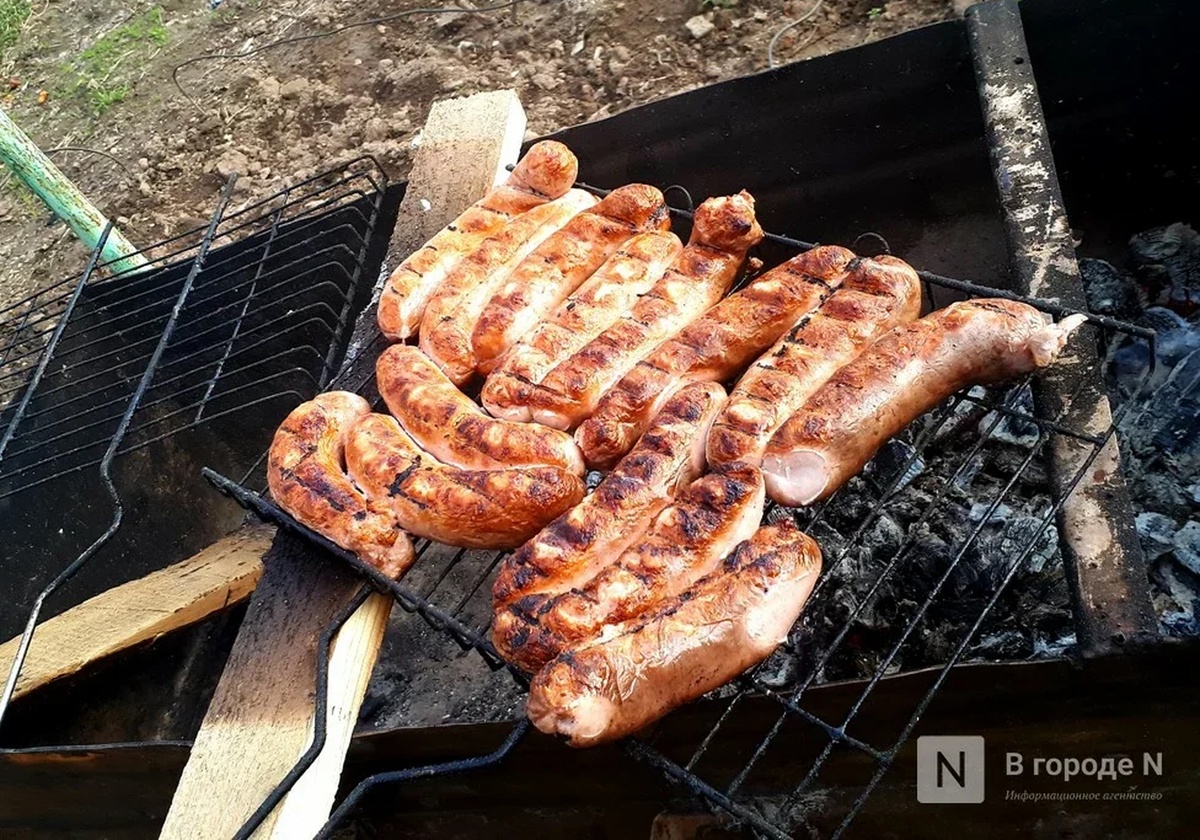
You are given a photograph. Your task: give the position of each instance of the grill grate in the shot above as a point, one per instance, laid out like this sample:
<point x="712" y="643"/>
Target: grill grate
<point x="454" y="597"/>
<point x="107" y="380"/>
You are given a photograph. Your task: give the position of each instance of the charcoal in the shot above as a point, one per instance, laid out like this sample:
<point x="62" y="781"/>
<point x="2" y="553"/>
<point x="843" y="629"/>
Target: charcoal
<point x="1167" y="260"/>
<point x="896" y="462"/>
<point x="779" y="672"/>
<point x="1156" y="534"/>
<point x="1109" y="290"/>
<point x="1186" y="543"/>
<point x="1053" y="649"/>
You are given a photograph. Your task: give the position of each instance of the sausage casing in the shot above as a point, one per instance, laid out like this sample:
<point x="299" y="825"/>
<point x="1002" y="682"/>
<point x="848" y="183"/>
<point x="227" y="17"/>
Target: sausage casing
<point x="902" y="375"/>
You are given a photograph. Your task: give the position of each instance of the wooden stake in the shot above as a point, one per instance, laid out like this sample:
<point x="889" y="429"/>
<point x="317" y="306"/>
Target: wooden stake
<point x="260" y="720"/>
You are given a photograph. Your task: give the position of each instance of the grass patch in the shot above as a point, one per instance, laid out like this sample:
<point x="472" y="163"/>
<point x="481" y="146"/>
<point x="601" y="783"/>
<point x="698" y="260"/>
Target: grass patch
<point x="13" y="14"/>
<point x="96" y="75"/>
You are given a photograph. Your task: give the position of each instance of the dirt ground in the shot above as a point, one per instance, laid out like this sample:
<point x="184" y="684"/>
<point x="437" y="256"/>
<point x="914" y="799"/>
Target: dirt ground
<point x="112" y="77"/>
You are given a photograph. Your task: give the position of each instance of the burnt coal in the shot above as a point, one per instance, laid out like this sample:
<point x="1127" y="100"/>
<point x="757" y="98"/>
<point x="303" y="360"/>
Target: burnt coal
<point x="1155" y="390"/>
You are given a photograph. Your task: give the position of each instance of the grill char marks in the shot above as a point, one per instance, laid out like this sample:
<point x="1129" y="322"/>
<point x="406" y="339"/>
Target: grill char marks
<point x="875" y="296"/>
<point x="448" y="425"/>
<point x="686" y="540"/>
<point x="700" y="639"/>
<point x="723" y="231"/>
<point x="470" y="508"/>
<point x="546" y="172"/>
<point x="560" y="264"/>
<point x="306" y="476"/>
<point x="715" y="347"/>
<point x="575" y="546"/>
<point x="901" y="376"/>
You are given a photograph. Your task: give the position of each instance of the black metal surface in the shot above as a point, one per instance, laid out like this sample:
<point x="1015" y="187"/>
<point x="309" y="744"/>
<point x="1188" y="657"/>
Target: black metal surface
<point x="1107" y="568"/>
<point x="114" y="388"/>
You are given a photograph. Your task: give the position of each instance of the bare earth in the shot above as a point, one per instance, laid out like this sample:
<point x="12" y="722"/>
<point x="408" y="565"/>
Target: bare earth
<point x="298" y="108"/>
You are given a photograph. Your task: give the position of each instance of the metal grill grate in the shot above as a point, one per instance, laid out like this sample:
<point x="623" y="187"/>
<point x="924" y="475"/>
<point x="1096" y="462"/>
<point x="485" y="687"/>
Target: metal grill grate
<point x="738" y="763"/>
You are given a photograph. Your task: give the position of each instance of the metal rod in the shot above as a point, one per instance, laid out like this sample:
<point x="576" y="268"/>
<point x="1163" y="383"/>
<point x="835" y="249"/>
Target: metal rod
<point x="48" y="182"/>
<point x="1103" y="559"/>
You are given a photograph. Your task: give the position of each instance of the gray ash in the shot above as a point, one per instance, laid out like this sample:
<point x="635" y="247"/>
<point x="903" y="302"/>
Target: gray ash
<point x="1158" y="388"/>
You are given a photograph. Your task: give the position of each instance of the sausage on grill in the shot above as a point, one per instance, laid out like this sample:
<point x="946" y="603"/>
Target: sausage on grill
<point x="470" y="508"/>
<point x="901" y="376"/>
<point x="546" y="172"/>
<point x="306" y="477"/>
<point x="683" y="543"/>
<point x="454" y="306"/>
<point x="877" y="295"/>
<point x="594" y="307"/>
<point x="696" y="642"/>
<point x="560" y="264"/>
<point x="449" y="426"/>
<point x="573" y="548"/>
<point x="714" y="347"/>
<point x="723" y="230"/>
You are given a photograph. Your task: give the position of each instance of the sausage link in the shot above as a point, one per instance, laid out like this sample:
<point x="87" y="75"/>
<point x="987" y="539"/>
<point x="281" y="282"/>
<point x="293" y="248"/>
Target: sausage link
<point x="448" y="425"/>
<point x="560" y="264"/>
<point x="573" y="548"/>
<point x="470" y="508"/>
<point x="714" y="347"/>
<point x="545" y="173"/>
<point x="877" y="295"/>
<point x="726" y="623"/>
<point x="904" y="374"/>
<point x="306" y="477"/>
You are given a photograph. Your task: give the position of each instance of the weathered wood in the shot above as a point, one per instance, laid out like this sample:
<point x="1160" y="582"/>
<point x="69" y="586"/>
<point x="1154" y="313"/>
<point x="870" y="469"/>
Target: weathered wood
<point x="261" y="718"/>
<point x="142" y="609"/>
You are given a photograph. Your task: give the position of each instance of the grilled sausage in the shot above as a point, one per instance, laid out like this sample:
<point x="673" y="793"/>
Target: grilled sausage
<point x="712" y="348"/>
<point x="595" y="306"/>
<point x="899" y="377"/>
<point x="877" y="295"/>
<point x="696" y="642"/>
<point x="560" y="264"/>
<point x="449" y="426"/>
<point x="306" y="476"/>
<point x="683" y="543"/>
<point x="570" y="550"/>
<point x="470" y="508"/>
<point x="455" y="305"/>
<point x="546" y="172"/>
<point x="723" y="230"/>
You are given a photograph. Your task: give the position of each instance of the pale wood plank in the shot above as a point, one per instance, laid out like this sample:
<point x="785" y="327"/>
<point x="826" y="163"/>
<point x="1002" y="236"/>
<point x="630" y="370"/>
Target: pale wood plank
<point x="143" y="609"/>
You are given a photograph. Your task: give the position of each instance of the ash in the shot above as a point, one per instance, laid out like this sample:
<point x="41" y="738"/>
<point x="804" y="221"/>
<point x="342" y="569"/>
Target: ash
<point x="1159" y="386"/>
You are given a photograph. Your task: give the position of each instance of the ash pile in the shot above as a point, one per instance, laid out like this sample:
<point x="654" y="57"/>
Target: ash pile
<point x="1159" y="383"/>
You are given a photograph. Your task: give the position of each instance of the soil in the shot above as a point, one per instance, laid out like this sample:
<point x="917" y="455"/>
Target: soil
<point x="101" y="75"/>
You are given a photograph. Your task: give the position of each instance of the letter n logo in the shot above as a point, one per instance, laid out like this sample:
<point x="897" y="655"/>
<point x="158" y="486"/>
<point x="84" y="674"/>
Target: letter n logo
<point x="950" y="769"/>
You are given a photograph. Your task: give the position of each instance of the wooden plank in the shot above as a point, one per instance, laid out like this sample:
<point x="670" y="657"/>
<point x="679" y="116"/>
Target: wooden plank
<point x="260" y="720"/>
<point x="143" y="609"/>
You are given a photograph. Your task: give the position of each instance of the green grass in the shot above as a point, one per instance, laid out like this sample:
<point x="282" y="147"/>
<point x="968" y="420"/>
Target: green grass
<point x="98" y="74"/>
<point x="12" y="17"/>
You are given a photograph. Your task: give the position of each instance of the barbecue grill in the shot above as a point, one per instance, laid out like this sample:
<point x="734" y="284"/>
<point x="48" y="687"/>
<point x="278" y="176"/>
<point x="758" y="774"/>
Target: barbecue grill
<point x="956" y="543"/>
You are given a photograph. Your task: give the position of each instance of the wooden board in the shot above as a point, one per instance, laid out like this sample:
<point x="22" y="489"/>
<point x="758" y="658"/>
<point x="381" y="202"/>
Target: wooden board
<point x="260" y="720"/>
<point x="141" y="610"/>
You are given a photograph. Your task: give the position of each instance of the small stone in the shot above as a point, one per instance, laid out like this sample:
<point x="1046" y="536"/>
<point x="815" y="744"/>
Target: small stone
<point x="1187" y="546"/>
<point x="294" y="88"/>
<point x="143" y="163"/>
<point x="269" y="87"/>
<point x="544" y="81"/>
<point x="699" y="26"/>
<point x="376" y="129"/>
<point x="386" y="64"/>
<point x="231" y="161"/>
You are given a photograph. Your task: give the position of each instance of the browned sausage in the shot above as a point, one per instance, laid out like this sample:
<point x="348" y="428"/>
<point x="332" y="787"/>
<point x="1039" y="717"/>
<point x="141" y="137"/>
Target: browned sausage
<point x="684" y="542"/>
<point x="877" y="295"/>
<point x="898" y="378"/>
<point x="594" y="307"/>
<point x="573" y="548"/>
<point x="714" y="347"/>
<point x="546" y="172"/>
<point x="306" y="477"/>
<point x="560" y="264"/>
<point x="471" y="508"/>
<point x="729" y="621"/>
<point x="446" y="424"/>
<point x="455" y="304"/>
<point x="723" y="230"/>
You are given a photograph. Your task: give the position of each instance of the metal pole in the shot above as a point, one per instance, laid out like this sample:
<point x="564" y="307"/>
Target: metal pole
<point x="38" y="173"/>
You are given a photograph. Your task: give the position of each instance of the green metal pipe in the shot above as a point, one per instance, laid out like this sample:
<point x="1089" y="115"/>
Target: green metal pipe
<point x="38" y="173"/>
